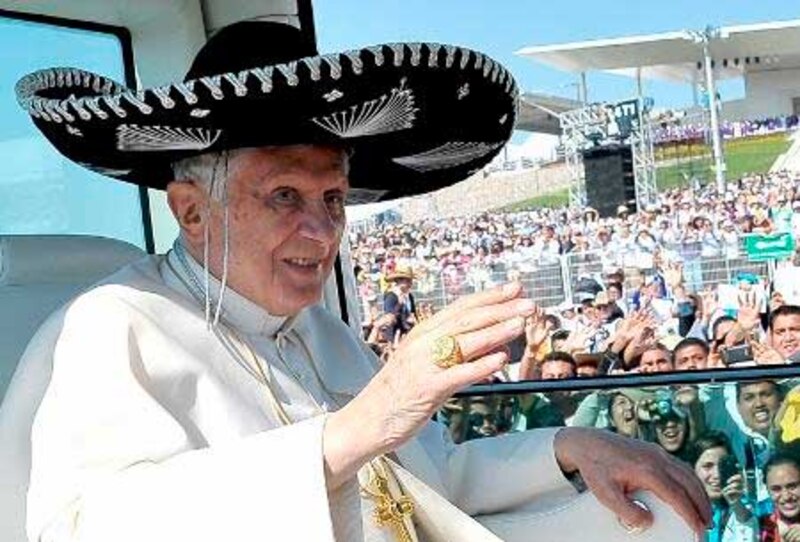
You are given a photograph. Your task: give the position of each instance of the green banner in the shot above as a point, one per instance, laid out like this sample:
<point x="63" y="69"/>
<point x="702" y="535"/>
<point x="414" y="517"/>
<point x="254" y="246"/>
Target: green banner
<point x="759" y="247"/>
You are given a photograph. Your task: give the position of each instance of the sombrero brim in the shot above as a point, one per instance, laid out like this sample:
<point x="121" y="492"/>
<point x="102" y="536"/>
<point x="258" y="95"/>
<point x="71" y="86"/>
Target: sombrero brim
<point x="418" y="116"/>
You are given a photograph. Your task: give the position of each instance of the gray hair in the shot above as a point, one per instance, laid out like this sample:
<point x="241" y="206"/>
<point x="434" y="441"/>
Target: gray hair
<point x="211" y="171"/>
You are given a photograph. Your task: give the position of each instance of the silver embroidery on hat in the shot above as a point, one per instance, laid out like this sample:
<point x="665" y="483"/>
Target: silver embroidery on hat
<point x="355" y="61"/>
<point x="78" y="106"/>
<point x="433" y="54"/>
<point x="238" y="81"/>
<point x="113" y="103"/>
<point x="335" y="65"/>
<point x="50" y="108"/>
<point x="61" y="108"/>
<point x="74" y="131"/>
<point x="416" y="53"/>
<point x="478" y="61"/>
<point x="451" y="154"/>
<point x="504" y="118"/>
<point x="265" y="76"/>
<point x="463" y="91"/>
<point x="133" y="137"/>
<point x="314" y="67"/>
<point x="289" y="71"/>
<point x="464" y="58"/>
<point x="214" y="85"/>
<point x="111" y="172"/>
<point x="187" y="91"/>
<point x="377" y="52"/>
<point x="487" y="66"/>
<point x="333" y="95"/>
<point x="391" y="112"/>
<point x="162" y="93"/>
<point x="67" y="77"/>
<point x="199" y="113"/>
<point x="496" y="72"/>
<point x="96" y="83"/>
<point x="93" y="104"/>
<point x="136" y="99"/>
<point x="451" y="54"/>
<point x="398" y="50"/>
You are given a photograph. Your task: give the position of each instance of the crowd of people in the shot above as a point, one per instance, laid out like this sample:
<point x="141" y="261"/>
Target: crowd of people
<point x="670" y="129"/>
<point x="743" y="439"/>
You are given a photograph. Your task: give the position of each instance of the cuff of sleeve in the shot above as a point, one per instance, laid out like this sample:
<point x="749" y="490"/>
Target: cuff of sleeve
<point x="520" y="466"/>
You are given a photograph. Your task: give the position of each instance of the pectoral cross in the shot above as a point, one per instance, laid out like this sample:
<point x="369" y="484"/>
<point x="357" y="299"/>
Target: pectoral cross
<point x="390" y="512"/>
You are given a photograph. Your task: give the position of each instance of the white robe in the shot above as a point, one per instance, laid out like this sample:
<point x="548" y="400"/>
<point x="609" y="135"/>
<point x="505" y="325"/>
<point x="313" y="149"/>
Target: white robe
<point x="150" y="431"/>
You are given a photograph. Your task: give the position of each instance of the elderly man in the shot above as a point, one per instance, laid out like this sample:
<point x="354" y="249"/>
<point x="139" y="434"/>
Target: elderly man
<point x="205" y="395"/>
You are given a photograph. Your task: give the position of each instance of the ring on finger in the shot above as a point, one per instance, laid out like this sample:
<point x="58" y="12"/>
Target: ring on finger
<point x="446" y="352"/>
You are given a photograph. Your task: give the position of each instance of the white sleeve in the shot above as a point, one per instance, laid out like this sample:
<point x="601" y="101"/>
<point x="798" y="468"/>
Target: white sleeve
<point x="485" y="476"/>
<point x="110" y="462"/>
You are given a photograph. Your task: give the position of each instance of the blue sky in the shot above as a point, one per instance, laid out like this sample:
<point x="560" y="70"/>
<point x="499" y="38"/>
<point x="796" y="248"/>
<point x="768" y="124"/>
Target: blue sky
<point x="501" y="27"/>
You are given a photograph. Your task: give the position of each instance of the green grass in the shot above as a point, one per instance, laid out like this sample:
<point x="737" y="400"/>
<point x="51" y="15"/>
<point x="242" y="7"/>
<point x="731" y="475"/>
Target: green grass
<point x="743" y="156"/>
<point x="559" y="198"/>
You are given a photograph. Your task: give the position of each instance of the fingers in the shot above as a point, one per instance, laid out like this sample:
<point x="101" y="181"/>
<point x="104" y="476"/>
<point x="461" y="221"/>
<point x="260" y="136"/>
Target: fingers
<point x="632" y="516"/>
<point x="478" y="310"/>
<point x="485" y="318"/>
<point x="481" y="368"/>
<point x="477" y="343"/>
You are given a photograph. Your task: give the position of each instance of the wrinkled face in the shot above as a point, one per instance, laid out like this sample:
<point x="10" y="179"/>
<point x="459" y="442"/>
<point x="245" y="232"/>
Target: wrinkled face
<point x="286" y="217"/>
<point x="783" y="484"/>
<point x="785" y="334"/>
<point x="707" y="470"/>
<point x="690" y="358"/>
<point x="623" y="415"/>
<point x="655" y="361"/>
<point x="671" y="434"/>
<point x="758" y="404"/>
<point x="556" y="370"/>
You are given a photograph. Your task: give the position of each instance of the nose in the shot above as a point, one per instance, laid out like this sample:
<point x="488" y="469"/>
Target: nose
<point x="317" y="223"/>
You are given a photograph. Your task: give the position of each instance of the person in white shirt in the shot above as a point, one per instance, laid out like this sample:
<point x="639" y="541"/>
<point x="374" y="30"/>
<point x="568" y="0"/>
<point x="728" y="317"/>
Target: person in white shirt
<point x="206" y="395"/>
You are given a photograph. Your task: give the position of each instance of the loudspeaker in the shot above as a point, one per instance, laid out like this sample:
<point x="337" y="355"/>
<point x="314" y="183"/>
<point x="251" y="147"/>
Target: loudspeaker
<point x="609" y="179"/>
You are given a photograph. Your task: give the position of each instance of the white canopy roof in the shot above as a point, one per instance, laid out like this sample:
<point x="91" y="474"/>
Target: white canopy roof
<point x="674" y="56"/>
<point x="539" y="112"/>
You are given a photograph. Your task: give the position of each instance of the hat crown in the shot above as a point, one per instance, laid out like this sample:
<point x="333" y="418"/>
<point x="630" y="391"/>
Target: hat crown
<point x="250" y="44"/>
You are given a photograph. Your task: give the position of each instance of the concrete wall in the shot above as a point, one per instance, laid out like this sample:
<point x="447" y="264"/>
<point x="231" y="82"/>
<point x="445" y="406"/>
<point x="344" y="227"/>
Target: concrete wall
<point x="479" y="193"/>
<point x="767" y="93"/>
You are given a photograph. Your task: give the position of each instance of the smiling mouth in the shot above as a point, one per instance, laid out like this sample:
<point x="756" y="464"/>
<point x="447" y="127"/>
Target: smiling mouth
<point x="304" y="263"/>
<point x="761" y="416"/>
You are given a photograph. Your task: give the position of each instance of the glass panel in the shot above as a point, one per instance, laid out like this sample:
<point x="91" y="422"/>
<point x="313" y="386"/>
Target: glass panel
<point x="742" y="439"/>
<point x="41" y="191"/>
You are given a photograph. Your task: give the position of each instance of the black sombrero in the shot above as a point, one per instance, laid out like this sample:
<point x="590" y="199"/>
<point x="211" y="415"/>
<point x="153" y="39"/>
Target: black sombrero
<point x="418" y="116"/>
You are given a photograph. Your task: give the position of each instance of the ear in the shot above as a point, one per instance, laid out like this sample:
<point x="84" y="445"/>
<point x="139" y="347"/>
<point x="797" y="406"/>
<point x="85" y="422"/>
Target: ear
<point x="187" y="201"/>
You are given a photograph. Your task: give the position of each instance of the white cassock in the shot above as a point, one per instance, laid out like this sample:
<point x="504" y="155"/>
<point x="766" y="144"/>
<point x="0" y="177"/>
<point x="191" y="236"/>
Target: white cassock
<point x="150" y="430"/>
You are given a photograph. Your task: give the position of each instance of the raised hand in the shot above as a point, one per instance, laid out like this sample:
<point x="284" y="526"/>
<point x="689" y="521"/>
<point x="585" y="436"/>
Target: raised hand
<point x="576" y="342"/>
<point x="401" y="398"/>
<point x="733" y="488"/>
<point x="748" y="316"/>
<point x="537" y="329"/>
<point x="766" y="355"/>
<point x="673" y="274"/>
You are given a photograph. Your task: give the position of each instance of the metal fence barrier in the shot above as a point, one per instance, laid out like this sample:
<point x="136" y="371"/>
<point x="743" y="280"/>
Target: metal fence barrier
<point x="550" y="284"/>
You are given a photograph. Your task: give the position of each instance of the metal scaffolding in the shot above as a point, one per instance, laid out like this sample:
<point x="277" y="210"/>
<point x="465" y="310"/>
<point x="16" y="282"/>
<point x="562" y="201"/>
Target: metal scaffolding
<point x="596" y="125"/>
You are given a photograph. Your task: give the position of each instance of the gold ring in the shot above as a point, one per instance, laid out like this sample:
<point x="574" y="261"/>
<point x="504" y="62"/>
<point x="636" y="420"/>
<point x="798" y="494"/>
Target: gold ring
<point x="446" y="352"/>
